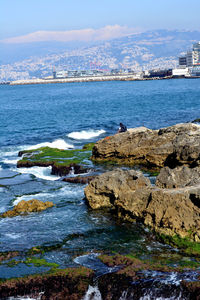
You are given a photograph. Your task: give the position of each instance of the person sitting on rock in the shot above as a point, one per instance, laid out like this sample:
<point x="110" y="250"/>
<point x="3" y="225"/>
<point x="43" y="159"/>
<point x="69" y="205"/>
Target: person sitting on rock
<point x="122" y="128"/>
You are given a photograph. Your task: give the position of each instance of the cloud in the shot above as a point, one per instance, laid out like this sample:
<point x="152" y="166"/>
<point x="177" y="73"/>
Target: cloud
<point x="102" y="34"/>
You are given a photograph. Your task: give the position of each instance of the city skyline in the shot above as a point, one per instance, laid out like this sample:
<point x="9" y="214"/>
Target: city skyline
<point x="35" y="21"/>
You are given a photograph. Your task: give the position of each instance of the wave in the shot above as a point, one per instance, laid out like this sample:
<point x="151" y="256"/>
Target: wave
<point x="12" y="161"/>
<point x="67" y="192"/>
<point x="85" y="135"/>
<point x="59" y="143"/>
<point x="39" y="172"/>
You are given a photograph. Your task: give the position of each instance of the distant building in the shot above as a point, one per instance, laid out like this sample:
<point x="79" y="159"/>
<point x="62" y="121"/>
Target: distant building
<point x="192" y="58"/>
<point x="195" y="71"/>
<point x="160" y="73"/>
<point x="60" y="74"/>
<point x="180" y="72"/>
<point x="182" y="61"/>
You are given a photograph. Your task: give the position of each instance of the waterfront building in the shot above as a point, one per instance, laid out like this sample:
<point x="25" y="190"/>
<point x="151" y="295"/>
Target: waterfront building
<point x="183" y="61"/>
<point x="195" y="71"/>
<point x="192" y="58"/>
<point x="60" y="74"/>
<point x="180" y="72"/>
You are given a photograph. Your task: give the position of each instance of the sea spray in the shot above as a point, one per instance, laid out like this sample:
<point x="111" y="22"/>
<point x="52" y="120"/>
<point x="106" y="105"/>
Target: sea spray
<point x="68" y="191"/>
<point x="59" y="143"/>
<point x="93" y="293"/>
<point x="39" y="172"/>
<point x="85" y="135"/>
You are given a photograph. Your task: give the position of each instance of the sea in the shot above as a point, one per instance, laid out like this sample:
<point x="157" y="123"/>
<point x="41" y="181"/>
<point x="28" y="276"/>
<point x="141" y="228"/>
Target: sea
<point x="67" y="116"/>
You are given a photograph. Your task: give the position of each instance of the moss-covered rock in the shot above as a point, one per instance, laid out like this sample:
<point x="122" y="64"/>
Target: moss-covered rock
<point x="62" y="161"/>
<point x="186" y="244"/>
<point x="69" y="284"/>
<point x="24" y="207"/>
<point x="47" y="155"/>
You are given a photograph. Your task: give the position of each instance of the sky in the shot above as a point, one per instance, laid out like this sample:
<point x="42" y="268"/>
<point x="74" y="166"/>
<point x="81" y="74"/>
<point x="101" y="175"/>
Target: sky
<point x="25" y="21"/>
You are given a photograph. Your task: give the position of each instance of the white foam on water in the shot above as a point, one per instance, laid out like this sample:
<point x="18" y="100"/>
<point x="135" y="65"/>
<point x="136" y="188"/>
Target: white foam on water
<point x="2" y="208"/>
<point x="92" y="293"/>
<point x="59" y="143"/>
<point x="151" y="296"/>
<point x="13" y="236"/>
<point x="26" y="297"/>
<point x="2" y="189"/>
<point x="12" y="161"/>
<point x="9" y="155"/>
<point x="11" y="151"/>
<point x="85" y="135"/>
<point x="64" y="192"/>
<point x="39" y="172"/>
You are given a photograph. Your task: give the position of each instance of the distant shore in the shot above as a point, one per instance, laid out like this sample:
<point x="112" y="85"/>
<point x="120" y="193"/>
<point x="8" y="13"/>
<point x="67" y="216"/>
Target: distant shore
<point x="122" y="77"/>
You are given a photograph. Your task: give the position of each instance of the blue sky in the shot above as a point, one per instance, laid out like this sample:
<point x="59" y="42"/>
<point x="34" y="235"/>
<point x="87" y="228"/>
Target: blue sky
<point x="23" y="17"/>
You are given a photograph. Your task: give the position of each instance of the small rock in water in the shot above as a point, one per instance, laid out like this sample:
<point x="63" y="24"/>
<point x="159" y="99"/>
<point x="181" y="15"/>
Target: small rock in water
<point x="24" y="207"/>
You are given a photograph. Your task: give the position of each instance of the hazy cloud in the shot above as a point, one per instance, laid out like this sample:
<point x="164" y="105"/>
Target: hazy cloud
<point x="106" y="33"/>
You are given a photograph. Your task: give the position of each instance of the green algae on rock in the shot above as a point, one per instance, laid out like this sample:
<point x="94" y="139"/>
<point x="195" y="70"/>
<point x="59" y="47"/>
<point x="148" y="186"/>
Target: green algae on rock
<point x="62" y="161"/>
<point x="186" y="244"/>
<point x="24" y="207"/>
<point x="54" y="155"/>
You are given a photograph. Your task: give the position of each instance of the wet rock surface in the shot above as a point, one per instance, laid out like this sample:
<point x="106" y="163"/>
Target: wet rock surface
<point x="137" y="279"/>
<point x="171" y="146"/>
<point x="62" y="170"/>
<point x="79" y="179"/>
<point x="70" y="284"/>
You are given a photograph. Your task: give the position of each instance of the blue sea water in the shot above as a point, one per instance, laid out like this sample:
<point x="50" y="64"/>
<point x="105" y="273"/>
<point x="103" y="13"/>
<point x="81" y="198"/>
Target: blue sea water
<point x="70" y="115"/>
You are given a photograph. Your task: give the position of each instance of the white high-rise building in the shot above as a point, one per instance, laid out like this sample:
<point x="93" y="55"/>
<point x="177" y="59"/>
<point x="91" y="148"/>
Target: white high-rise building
<point x="192" y="58"/>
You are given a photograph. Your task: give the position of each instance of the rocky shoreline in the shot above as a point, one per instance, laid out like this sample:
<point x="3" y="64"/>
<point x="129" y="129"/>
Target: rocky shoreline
<point x="169" y="205"/>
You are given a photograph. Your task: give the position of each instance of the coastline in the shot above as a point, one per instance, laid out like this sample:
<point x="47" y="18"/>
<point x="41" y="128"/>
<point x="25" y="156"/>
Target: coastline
<point x="123" y="77"/>
<point x="85" y="79"/>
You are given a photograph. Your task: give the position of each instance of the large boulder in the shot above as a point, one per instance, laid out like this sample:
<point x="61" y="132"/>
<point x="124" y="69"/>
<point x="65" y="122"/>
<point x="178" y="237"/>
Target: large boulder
<point x="171" y="146"/>
<point x="168" y="211"/>
<point x="107" y="189"/>
<point x="175" y="211"/>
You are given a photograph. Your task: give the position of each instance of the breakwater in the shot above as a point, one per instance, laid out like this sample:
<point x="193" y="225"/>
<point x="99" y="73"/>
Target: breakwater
<point x="84" y="79"/>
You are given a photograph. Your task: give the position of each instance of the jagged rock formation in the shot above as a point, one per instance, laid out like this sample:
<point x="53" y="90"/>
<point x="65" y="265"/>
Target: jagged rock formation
<point x="24" y="207"/>
<point x="168" y="211"/>
<point x="171" y="146"/>
<point x="108" y="188"/>
<point x="179" y="177"/>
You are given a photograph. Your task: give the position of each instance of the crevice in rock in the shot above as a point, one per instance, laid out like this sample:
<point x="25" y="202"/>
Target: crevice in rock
<point x="171" y="161"/>
<point x="149" y="200"/>
<point x="195" y="200"/>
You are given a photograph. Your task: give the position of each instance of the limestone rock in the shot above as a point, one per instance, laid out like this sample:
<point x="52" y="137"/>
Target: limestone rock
<point x="24" y="207"/>
<point x="178" y="177"/>
<point x="166" y="210"/>
<point x="175" y="211"/>
<point x="108" y="188"/>
<point x="171" y="146"/>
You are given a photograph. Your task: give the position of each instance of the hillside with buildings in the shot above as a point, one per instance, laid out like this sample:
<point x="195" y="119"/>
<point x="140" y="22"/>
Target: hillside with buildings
<point x="145" y="51"/>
